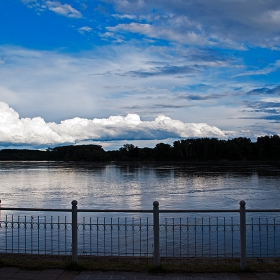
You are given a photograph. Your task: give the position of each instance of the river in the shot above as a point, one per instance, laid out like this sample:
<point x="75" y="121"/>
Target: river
<point x="115" y="185"/>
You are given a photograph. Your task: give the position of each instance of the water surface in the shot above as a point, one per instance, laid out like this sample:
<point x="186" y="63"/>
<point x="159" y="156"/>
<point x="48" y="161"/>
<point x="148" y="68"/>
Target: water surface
<point x="136" y="185"/>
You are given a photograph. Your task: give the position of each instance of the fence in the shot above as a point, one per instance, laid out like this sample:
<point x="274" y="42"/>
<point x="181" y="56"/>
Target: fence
<point x="151" y="233"/>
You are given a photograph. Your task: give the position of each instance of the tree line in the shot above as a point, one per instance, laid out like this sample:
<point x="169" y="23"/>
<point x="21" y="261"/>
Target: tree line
<point x="265" y="148"/>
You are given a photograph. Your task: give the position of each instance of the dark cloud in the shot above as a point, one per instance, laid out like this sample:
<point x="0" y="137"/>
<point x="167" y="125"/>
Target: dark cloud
<point x="213" y="56"/>
<point x="154" y="107"/>
<point x="268" y="110"/>
<point x="163" y="71"/>
<point x="272" y="117"/>
<point x="265" y="90"/>
<point x="171" y="106"/>
<point x="204" y="97"/>
<point x="264" y="105"/>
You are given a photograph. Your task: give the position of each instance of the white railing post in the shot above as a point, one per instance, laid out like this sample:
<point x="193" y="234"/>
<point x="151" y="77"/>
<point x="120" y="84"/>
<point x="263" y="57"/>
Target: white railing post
<point x="242" y="204"/>
<point x="156" y="233"/>
<point x="74" y="232"/>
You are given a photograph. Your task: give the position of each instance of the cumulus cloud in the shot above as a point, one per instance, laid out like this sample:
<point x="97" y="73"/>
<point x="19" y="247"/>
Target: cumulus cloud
<point x="35" y="131"/>
<point x="63" y="9"/>
<point x="20" y="131"/>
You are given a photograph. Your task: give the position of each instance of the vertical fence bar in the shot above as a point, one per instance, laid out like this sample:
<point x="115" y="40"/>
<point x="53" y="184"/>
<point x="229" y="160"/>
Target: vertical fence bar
<point x="104" y="236"/>
<point x="90" y="234"/>
<point x="19" y="234"/>
<point x="180" y="238"/>
<point x="12" y="227"/>
<point x="202" y="240"/>
<point x="58" y="235"/>
<point x="65" y="235"/>
<point x="74" y="232"/>
<point x="31" y="233"/>
<point x="111" y="236"/>
<point x="45" y="230"/>
<point x="119" y="228"/>
<point x="232" y="246"/>
<point x="140" y="233"/>
<point x="166" y="236"/>
<point x="51" y="234"/>
<point x="133" y="232"/>
<point x="125" y="235"/>
<point x="173" y="238"/>
<point x="38" y="237"/>
<point x="97" y="235"/>
<point x="84" y="229"/>
<point x="147" y="223"/>
<point x="156" y="233"/>
<point x="242" y="204"/>
<point x="25" y="225"/>
<point x="274" y="243"/>
<point x="267" y="244"/>
<point x="252" y="238"/>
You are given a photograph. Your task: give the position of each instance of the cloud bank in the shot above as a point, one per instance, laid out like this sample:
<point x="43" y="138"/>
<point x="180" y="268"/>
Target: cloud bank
<point x="235" y="24"/>
<point x="35" y="131"/>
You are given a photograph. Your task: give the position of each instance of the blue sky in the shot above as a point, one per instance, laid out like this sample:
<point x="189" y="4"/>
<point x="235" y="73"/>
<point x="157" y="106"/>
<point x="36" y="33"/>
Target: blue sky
<point x="143" y="72"/>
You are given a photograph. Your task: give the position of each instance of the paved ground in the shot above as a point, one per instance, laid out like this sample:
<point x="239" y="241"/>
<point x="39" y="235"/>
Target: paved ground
<point x="60" y="274"/>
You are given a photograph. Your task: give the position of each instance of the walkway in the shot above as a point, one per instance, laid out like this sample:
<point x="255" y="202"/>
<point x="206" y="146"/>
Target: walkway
<point x="13" y="273"/>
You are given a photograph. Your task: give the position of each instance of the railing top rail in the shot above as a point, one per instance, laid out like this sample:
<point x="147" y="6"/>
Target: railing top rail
<point x="178" y="210"/>
<point x="262" y="210"/>
<point x="160" y="211"/>
<point x="78" y="210"/>
<point x="140" y="211"/>
<point x="114" y="211"/>
<point x="200" y="211"/>
<point x="35" y="209"/>
<point x="219" y="211"/>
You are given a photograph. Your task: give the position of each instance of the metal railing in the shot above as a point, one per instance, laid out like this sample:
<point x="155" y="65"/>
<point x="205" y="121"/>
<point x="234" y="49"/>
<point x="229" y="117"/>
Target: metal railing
<point x="154" y="233"/>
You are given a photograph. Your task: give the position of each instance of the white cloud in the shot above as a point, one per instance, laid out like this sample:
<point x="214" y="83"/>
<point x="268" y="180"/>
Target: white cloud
<point x="20" y="131"/>
<point x="271" y="68"/>
<point x="188" y="37"/>
<point x="116" y="38"/>
<point x="84" y="29"/>
<point x="35" y="131"/>
<point x="28" y="1"/>
<point x="63" y="9"/>
<point x="124" y="16"/>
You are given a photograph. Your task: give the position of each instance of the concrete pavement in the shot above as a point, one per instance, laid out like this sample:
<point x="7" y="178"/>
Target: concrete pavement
<point x="13" y="273"/>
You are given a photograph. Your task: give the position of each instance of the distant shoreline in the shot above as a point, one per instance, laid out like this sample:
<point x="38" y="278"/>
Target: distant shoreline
<point x="266" y="148"/>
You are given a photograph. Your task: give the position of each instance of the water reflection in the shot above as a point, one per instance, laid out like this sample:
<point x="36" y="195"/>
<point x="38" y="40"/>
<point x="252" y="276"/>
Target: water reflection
<point x="135" y="186"/>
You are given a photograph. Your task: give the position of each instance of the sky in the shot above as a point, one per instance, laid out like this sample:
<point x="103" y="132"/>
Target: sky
<point x="111" y="72"/>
